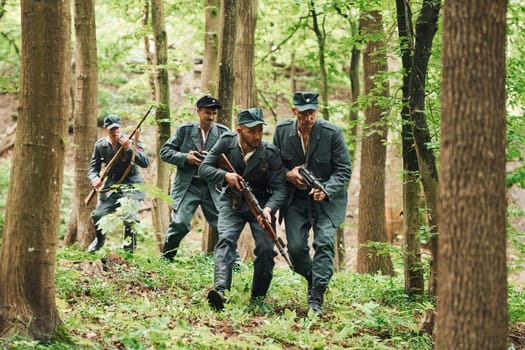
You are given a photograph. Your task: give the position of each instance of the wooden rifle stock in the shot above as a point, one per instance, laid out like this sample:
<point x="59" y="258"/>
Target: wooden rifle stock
<point x="117" y="155"/>
<point x="256" y="209"/>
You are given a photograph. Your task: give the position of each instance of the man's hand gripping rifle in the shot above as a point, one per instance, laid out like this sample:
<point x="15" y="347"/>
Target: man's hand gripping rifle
<point x="311" y="180"/>
<point x="104" y="173"/>
<point x="255" y="208"/>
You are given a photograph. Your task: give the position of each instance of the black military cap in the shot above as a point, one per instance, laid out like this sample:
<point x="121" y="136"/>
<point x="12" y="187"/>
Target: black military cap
<point x="250" y="117"/>
<point x="306" y="100"/>
<point x="112" y="121"/>
<point x="208" y="102"/>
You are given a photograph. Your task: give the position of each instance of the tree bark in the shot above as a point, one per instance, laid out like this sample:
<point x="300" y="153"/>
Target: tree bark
<point x="472" y="290"/>
<point x="372" y="225"/>
<point x="27" y="260"/>
<point x="245" y="91"/>
<point x="320" y="34"/>
<point x="209" y="75"/>
<point x="414" y="280"/>
<point x="85" y="120"/>
<point x="160" y="209"/>
<point x="226" y="86"/>
<point x="426" y="26"/>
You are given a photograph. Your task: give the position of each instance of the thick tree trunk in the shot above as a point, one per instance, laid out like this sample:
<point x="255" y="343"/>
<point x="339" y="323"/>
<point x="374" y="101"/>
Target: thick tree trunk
<point x="245" y="91"/>
<point x="472" y="290"/>
<point x="372" y="226"/>
<point x="160" y="210"/>
<point x="228" y="41"/>
<point x="85" y="120"/>
<point x="414" y="280"/>
<point x="27" y="260"/>
<point x="426" y="27"/>
<point x="210" y="66"/>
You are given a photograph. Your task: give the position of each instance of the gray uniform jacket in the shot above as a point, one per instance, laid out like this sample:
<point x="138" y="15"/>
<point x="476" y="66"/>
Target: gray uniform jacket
<point x="328" y="160"/>
<point x="103" y="153"/>
<point x="188" y="138"/>
<point x="264" y="171"/>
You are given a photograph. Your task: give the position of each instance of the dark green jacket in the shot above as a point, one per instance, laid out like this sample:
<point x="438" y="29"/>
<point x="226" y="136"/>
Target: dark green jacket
<point x="264" y="171"/>
<point x="188" y="138"/>
<point x="328" y="160"/>
<point x="103" y="153"/>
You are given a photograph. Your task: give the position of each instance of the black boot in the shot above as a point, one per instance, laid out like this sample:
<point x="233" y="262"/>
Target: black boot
<point x="223" y="281"/>
<point x="315" y="300"/>
<point x="98" y="242"/>
<point x="130" y="238"/>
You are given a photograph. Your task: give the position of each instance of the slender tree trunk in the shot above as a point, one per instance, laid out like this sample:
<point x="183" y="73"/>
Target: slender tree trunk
<point x="472" y="291"/>
<point x="426" y="26"/>
<point x="414" y="280"/>
<point x="85" y="120"/>
<point x="211" y="48"/>
<point x="27" y="260"/>
<point x="228" y="41"/>
<point x="160" y="212"/>
<point x="150" y="60"/>
<point x="372" y="225"/>
<point x="245" y="90"/>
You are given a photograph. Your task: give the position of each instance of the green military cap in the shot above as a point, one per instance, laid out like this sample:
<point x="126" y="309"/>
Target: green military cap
<point x="112" y="121"/>
<point x="250" y="117"/>
<point x="305" y="100"/>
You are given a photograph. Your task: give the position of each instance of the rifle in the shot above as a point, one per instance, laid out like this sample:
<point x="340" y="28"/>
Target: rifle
<point x="311" y="180"/>
<point x="117" y="155"/>
<point x="256" y="209"/>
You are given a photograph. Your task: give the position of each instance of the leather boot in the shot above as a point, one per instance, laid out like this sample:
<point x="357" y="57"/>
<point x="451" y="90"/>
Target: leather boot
<point x="130" y="238"/>
<point x="223" y="281"/>
<point x="315" y="300"/>
<point x="98" y="242"/>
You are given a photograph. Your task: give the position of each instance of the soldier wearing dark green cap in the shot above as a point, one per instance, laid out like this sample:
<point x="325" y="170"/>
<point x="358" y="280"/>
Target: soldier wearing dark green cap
<point x="258" y="163"/>
<point x="320" y="147"/>
<point x="120" y="180"/>
<point x="186" y="150"/>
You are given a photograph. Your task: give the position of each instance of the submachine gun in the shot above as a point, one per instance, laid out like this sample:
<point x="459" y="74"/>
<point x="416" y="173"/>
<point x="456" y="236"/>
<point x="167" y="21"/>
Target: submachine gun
<point x="311" y="180"/>
<point x="256" y="209"/>
<point x="104" y="173"/>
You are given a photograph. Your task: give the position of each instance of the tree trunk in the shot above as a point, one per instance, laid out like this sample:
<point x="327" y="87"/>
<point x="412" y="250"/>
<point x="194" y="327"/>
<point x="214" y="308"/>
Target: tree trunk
<point x="320" y="34"/>
<point x="150" y="61"/>
<point x="211" y="48"/>
<point x="245" y="89"/>
<point x="472" y="290"/>
<point x="27" y="260"/>
<point x="226" y="60"/>
<point x="426" y="26"/>
<point x="85" y="120"/>
<point x="160" y="209"/>
<point x="372" y="226"/>
<point x="414" y="280"/>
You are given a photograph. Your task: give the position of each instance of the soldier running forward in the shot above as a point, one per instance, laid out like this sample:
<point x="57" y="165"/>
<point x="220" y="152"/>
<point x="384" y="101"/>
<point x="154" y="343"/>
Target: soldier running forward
<point x="259" y="164"/>
<point x="187" y="149"/>
<point x="119" y="181"/>
<point x="320" y="147"/>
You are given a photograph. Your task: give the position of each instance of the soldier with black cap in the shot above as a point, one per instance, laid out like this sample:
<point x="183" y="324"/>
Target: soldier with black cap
<point x="259" y="164"/>
<point x="319" y="146"/>
<point x="119" y="182"/>
<point x="186" y="149"/>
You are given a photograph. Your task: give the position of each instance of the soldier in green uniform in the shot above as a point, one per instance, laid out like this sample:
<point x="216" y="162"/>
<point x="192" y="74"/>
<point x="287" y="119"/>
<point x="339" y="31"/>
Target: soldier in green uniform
<point x="186" y="149"/>
<point x="120" y="180"/>
<point x="320" y="147"/>
<point x="258" y="163"/>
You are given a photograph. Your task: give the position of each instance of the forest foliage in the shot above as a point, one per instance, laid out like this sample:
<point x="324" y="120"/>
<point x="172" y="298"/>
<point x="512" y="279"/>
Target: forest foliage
<point x="138" y="302"/>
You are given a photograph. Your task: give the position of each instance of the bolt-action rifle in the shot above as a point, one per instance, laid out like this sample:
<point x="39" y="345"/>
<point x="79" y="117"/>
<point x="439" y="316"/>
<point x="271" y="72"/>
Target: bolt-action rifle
<point x="311" y="180"/>
<point x="104" y="173"/>
<point x="256" y="209"/>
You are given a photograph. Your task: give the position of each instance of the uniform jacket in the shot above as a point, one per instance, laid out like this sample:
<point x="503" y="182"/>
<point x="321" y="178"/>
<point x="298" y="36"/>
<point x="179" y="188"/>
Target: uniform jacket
<point x="328" y="160"/>
<point x="188" y="138"/>
<point x="103" y="153"/>
<point x="264" y="171"/>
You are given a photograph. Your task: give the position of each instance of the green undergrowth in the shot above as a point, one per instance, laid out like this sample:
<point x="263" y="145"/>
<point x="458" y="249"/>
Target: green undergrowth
<point x="115" y="300"/>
